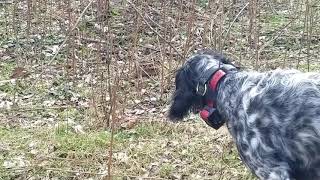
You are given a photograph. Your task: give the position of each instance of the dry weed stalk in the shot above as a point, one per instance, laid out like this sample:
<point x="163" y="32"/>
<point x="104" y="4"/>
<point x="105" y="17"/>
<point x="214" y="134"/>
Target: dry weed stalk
<point x="113" y="118"/>
<point x="190" y="26"/>
<point x="253" y="37"/>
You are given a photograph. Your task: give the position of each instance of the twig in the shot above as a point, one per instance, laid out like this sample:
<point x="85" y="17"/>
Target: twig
<point x="276" y="37"/>
<point x="112" y="118"/>
<point x="6" y="2"/>
<point x="234" y="20"/>
<point x="7" y="81"/>
<point x="23" y="109"/>
<point x="91" y="40"/>
<point x="187" y="46"/>
<point x="152" y="29"/>
<point x="75" y="172"/>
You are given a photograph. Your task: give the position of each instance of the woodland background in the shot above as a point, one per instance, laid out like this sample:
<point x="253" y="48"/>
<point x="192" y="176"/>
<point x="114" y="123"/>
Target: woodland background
<point x="85" y="85"/>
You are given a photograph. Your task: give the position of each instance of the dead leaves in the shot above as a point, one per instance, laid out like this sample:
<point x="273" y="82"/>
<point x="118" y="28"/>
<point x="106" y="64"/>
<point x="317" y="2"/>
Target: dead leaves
<point x="19" y="72"/>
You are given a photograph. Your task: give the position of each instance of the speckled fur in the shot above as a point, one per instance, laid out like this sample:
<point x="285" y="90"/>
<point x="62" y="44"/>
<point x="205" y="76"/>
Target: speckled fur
<point x="273" y="117"/>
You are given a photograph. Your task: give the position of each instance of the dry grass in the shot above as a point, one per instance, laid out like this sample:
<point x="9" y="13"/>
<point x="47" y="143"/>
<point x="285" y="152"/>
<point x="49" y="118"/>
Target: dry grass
<point x="188" y="150"/>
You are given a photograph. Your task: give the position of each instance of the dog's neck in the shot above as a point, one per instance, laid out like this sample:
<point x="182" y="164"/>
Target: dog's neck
<point x="228" y="89"/>
<point x="208" y="85"/>
<point x="209" y="91"/>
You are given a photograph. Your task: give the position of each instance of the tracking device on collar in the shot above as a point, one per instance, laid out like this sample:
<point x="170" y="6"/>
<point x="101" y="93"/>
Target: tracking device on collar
<point x="207" y="87"/>
<point x="212" y="117"/>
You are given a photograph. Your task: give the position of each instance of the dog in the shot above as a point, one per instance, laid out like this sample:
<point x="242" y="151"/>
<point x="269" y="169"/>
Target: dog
<point x="273" y="117"/>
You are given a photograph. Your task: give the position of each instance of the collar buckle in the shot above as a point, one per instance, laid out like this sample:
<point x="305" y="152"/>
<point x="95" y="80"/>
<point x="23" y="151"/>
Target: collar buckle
<point x="201" y="89"/>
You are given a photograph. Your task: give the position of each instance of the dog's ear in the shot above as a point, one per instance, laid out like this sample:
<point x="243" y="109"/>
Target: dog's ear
<point x="183" y="97"/>
<point x="181" y="105"/>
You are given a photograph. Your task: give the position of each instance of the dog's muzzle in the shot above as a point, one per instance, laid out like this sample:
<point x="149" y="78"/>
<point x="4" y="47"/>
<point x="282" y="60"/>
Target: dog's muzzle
<point x="212" y="117"/>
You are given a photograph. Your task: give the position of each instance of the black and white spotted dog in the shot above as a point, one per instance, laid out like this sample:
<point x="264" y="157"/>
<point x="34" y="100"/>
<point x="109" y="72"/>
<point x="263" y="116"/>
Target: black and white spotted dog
<point x="273" y="117"/>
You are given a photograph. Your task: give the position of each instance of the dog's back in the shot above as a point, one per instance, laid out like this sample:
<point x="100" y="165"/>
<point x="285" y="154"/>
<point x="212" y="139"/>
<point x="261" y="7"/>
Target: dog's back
<point x="278" y="119"/>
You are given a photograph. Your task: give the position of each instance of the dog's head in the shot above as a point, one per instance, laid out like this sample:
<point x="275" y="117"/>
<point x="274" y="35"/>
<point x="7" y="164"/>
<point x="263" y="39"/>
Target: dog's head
<point x="185" y="97"/>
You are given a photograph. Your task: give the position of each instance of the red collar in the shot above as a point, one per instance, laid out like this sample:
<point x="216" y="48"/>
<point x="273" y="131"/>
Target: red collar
<point x="207" y="88"/>
<point x="212" y="90"/>
<point x="215" y="79"/>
